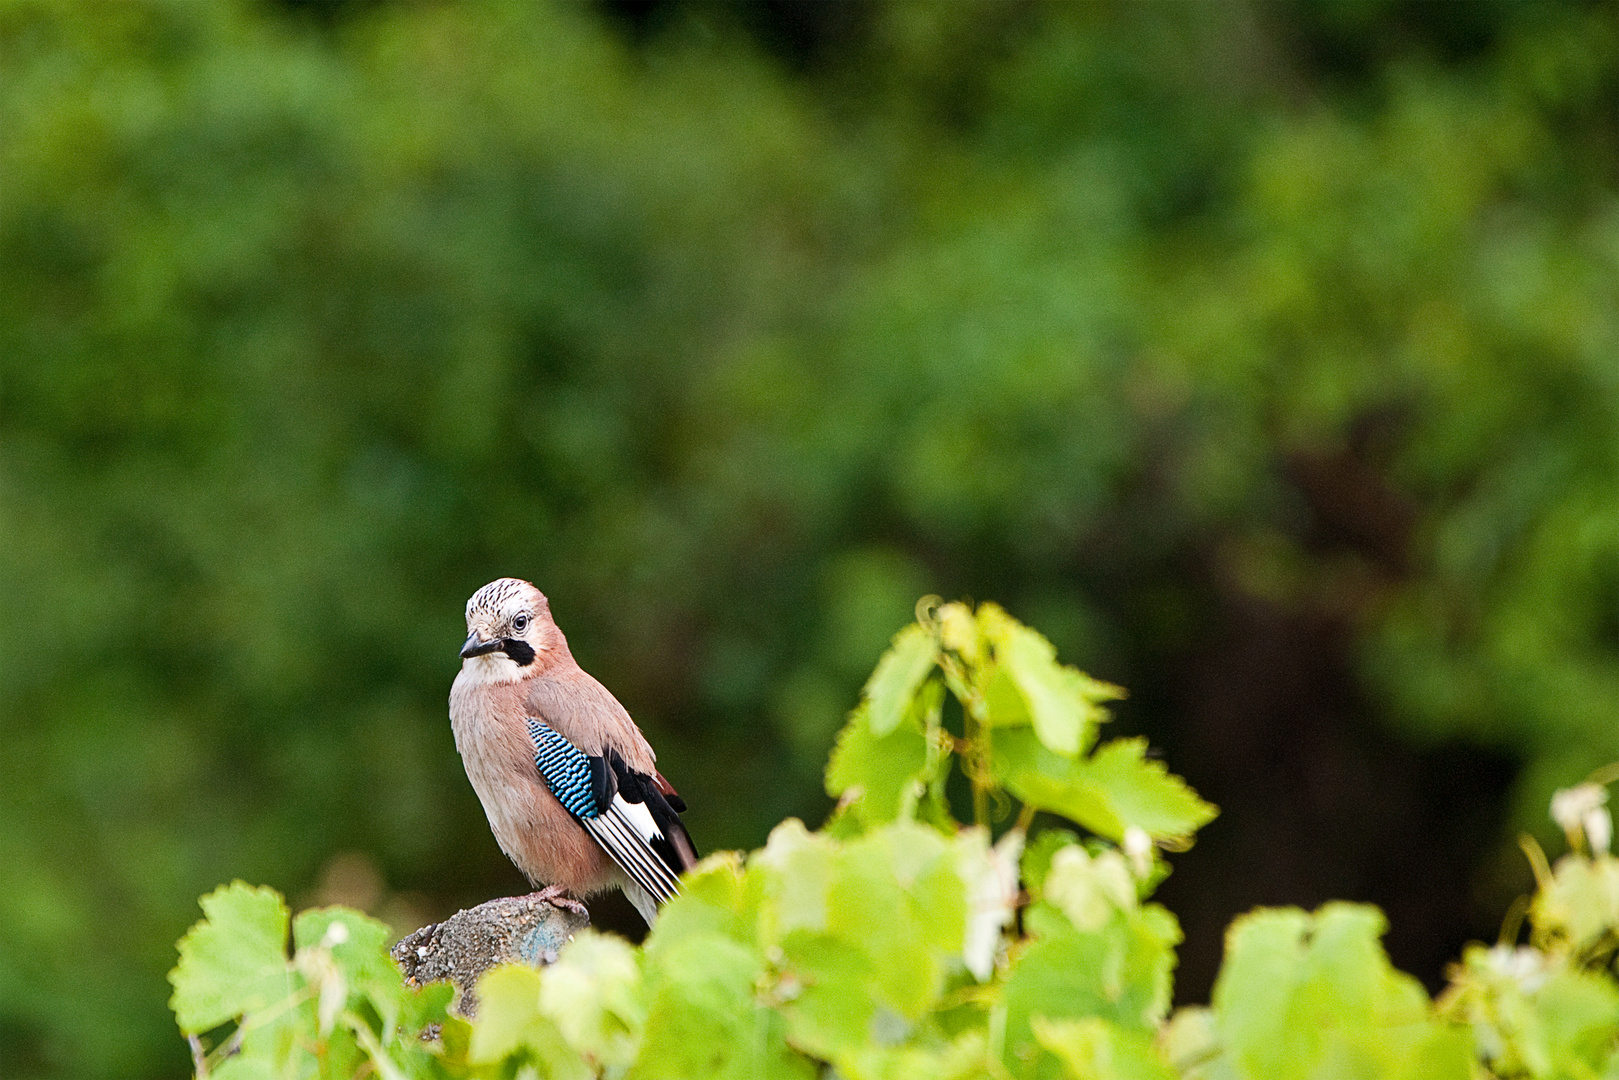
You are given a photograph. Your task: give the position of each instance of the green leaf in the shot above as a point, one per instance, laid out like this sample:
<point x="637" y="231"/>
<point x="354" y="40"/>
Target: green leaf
<point x="867" y="930"/>
<point x="898" y="674"/>
<point x="276" y="1045"/>
<point x="593" y="995"/>
<point x="245" y="1066"/>
<point x="1092" y="1049"/>
<point x="961" y="632"/>
<point x="1063" y="703"/>
<point x="1037" y="856"/>
<point x="885" y="777"/>
<point x="1119" y="972"/>
<point x="868" y="906"/>
<point x="1190" y="1042"/>
<point x="716" y="896"/>
<point x="794" y="869"/>
<point x="1579" y="1021"/>
<point x="359" y="946"/>
<point x="965" y="1058"/>
<point x="426" y="1005"/>
<point x="825" y="989"/>
<point x="508" y="1006"/>
<point x="510" y="1022"/>
<point x="234" y="961"/>
<point x="1089" y="889"/>
<point x="1113" y="789"/>
<point x="1302" y="996"/>
<point x="1143" y="792"/>
<point x="703" y="1018"/>
<point x="1535" y="1015"/>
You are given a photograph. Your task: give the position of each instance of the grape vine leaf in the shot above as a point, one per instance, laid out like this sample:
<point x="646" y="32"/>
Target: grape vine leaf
<point x="1096" y="1050"/>
<point x="1037" y="856"/>
<point x="882" y="776"/>
<point x="864" y="933"/>
<point x="895" y="680"/>
<point x="1113" y="789"/>
<point x="234" y="961"/>
<point x="824" y="987"/>
<point x="1118" y="969"/>
<point x="792" y="873"/>
<point x="1576" y="1011"/>
<point x="1063" y="703"/>
<point x="1302" y="996"/>
<point x="704" y="1019"/>
<point x="896" y="896"/>
<point x="359" y="947"/>
<point x="510" y="1023"/>
<point x="1143" y="792"/>
<point x="717" y="896"/>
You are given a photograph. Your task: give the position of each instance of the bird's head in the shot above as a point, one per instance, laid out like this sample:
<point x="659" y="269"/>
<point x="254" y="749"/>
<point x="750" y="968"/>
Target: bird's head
<point x="509" y="627"/>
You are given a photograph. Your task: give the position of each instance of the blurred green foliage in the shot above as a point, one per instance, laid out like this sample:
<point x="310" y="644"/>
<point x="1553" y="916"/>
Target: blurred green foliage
<point x="314" y="320"/>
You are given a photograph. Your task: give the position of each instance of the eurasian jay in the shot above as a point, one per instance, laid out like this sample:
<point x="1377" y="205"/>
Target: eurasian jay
<point x="568" y="781"/>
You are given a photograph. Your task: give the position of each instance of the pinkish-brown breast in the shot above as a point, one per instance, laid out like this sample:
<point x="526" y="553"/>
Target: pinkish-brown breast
<point x="490" y="726"/>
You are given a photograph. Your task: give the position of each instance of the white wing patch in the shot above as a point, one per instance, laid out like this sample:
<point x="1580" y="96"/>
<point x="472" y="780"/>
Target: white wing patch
<point x="640" y="817"/>
<point x="626" y="831"/>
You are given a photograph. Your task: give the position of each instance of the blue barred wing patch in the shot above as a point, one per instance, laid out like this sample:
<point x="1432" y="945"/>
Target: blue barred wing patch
<point x="566" y="770"/>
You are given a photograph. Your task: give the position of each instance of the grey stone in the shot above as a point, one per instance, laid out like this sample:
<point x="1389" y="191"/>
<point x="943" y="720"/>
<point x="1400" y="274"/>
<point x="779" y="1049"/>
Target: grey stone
<point x="510" y="930"/>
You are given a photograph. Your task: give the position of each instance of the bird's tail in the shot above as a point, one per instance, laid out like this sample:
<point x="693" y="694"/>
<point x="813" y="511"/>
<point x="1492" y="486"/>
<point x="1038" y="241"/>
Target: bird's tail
<point x="643" y="901"/>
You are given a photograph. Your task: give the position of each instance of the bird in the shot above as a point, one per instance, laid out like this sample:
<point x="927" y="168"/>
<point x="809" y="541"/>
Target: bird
<point x="569" y="783"/>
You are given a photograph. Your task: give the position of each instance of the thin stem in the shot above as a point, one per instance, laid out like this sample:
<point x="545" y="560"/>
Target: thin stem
<point x="373" y="1047"/>
<point x="1537" y="861"/>
<point x="1512" y="922"/>
<point x="975" y="762"/>
<point x="980" y="802"/>
<point x="975" y="749"/>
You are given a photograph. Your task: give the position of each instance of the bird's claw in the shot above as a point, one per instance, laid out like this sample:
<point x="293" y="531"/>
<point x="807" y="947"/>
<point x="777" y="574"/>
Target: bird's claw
<point x="557" y="896"/>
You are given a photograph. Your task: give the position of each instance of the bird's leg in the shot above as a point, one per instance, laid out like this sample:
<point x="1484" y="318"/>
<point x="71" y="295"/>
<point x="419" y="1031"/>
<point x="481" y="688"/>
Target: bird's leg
<point x="557" y="896"/>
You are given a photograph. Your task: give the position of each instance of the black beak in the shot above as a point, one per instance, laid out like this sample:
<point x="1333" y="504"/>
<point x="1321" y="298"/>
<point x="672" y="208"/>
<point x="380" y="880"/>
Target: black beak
<point x="477" y="646"/>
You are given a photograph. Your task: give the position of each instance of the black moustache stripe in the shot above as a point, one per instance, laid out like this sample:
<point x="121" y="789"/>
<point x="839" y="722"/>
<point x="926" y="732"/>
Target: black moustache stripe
<point x="519" y="650"/>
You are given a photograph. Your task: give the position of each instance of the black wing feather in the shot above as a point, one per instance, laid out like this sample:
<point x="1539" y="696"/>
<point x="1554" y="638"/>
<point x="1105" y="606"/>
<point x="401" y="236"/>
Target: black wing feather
<point x="674" y="846"/>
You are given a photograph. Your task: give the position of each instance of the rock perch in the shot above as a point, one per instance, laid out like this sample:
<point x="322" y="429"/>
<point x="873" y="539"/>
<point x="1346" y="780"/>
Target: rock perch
<point x="510" y="930"/>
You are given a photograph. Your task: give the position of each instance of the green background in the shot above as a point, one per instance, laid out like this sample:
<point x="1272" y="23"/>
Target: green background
<point x="1265" y="357"/>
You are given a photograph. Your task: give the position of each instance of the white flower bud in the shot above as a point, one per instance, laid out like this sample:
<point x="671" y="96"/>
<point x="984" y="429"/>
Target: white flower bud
<point x="1138" y="849"/>
<point x="1580" y="811"/>
<point x="1598" y="824"/>
<point x="1524" y="965"/>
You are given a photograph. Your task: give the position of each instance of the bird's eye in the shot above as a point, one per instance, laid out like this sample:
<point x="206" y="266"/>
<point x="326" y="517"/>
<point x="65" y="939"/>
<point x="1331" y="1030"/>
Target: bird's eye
<point x="520" y="623"/>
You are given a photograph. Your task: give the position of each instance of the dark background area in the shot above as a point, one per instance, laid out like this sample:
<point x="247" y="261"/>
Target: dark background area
<point x="1265" y="357"/>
